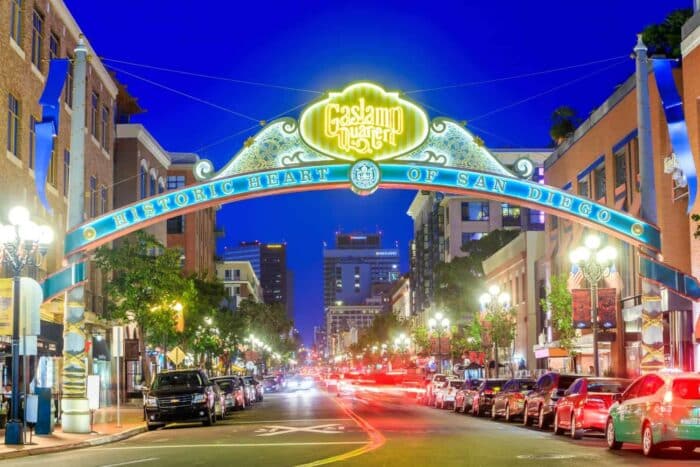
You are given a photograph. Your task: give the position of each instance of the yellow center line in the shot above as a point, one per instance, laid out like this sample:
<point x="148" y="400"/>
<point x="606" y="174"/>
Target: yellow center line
<point x="376" y="439"/>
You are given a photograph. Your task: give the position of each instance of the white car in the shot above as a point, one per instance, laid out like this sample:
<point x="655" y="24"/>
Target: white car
<point x="445" y="396"/>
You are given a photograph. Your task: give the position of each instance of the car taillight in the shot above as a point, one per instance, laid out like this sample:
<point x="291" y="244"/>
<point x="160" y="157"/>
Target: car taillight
<point x="488" y="391"/>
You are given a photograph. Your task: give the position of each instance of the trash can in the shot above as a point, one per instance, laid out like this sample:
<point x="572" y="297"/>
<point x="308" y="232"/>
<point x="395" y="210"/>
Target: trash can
<point x="45" y="415"/>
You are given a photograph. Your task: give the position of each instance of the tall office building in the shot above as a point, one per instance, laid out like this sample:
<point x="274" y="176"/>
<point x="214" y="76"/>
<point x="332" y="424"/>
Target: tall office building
<point x="354" y="265"/>
<point x="269" y="261"/>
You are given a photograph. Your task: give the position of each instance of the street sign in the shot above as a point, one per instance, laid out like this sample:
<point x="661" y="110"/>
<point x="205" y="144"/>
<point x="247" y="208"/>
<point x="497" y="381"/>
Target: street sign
<point x="117" y="341"/>
<point x="176" y="355"/>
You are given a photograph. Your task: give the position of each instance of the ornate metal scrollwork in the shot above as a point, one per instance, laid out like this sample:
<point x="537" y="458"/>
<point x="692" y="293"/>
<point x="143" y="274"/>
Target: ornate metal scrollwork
<point x="524" y="168"/>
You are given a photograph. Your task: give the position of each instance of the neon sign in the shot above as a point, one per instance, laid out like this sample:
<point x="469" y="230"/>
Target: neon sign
<point x="363" y="121"/>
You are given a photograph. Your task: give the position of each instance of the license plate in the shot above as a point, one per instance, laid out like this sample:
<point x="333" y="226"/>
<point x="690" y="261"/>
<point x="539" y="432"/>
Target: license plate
<point x="691" y="421"/>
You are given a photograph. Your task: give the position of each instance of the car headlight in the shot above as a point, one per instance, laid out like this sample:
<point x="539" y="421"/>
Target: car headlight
<point x="198" y="398"/>
<point x="151" y="402"/>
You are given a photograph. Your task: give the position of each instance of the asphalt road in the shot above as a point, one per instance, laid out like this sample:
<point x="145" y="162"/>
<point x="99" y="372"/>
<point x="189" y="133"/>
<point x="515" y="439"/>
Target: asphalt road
<point x="313" y="428"/>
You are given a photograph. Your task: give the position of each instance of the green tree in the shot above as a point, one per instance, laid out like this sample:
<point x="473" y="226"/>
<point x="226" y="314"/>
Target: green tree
<point x="501" y="328"/>
<point x="458" y="280"/>
<point x="564" y="124"/>
<point x="665" y="38"/>
<point x="142" y="287"/>
<point x="421" y="339"/>
<point x="559" y="304"/>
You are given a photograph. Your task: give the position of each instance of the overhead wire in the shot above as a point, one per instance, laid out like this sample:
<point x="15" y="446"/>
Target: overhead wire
<point x="518" y="76"/>
<point x="184" y="94"/>
<point x="202" y="75"/>
<point x="547" y="91"/>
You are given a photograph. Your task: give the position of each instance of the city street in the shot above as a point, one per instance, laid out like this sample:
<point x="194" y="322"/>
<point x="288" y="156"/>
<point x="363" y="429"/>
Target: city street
<point x="312" y="428"/>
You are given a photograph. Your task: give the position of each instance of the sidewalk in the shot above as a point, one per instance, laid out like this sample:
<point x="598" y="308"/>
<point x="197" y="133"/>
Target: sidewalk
<point x="105" y="430"/>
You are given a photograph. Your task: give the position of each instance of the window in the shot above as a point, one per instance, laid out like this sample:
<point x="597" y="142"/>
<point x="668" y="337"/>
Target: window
<point x="16" y="21"/>
<point x="599" y="180"/>
<point x="32" y="141"/>
<point x="651" y="384"/>
<point x="68" y="91"/>
<point x="13" y="125"/>
<point x="633" y="390"/>
<point x="152" y="185"/>
<point x="176" y="181"/>
<point x="37" y="35"/>
<point x="236" y="274"/>
<point x="583" y="186"/>
<point x="620" y="167"/>
<point x="535" y="217"/>
<point x="94" y="104"/>
<point x="510" y="214"/>
<point x="93" y="196"/>
<point x="176" y="225"/>
<point x="54" y="46"/>
<point x="66" y="171"/>
<point x="142" y="181"/>
<point x="475" y="211"/>
<point x="227" y="274"/>
<point x="52" y="177"/>
<point x="103" y="200"/>
<point x="104" y="130"/>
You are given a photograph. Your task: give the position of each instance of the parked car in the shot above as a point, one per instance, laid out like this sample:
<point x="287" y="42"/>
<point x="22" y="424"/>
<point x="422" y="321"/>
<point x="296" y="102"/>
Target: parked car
<point x="540" y="403"/>
<point x="483" y="396"/>
<point x="257" y="388"/>
<point x="232" y="387"/>
<point x="271" y="384"/>
<point x="445" y="396"/>
<point x="436" y="381"/>
<point x="658" y="410"/>
<point x="248" y="391"/>
<point x="181" y="396"/>
<point x="510" y="401"/>
<point x="465" y="395"/>
<point x="585" y="405"/>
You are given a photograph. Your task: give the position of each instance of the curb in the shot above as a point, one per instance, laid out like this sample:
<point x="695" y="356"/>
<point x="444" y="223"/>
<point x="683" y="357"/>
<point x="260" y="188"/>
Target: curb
<point x="79" y="445"/>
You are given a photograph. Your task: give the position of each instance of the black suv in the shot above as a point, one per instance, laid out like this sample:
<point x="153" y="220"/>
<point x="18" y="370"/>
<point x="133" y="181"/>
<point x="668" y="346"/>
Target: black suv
<point x="180" y="396"/>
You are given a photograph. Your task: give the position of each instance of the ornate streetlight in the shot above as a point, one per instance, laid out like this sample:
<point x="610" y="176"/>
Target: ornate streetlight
<point x="22" y="243"/>
<point x="595" y="265"/>
<point x="495" y="300"/>
<point x="441" y="326"/>
<point x="401" y="344"/>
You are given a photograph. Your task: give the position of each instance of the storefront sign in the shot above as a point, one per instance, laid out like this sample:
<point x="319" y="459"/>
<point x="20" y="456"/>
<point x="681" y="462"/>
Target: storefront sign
<point x="581" y="303"/>
<point x="131" y="349"/>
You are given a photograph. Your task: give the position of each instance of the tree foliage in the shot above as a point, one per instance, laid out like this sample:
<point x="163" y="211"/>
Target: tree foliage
<point x="665" y="38"/>
<point x="564" y="122"/>
<point x="143" y="286"/>
<point x="559" y="304"/>
<point x="459" y="281"/>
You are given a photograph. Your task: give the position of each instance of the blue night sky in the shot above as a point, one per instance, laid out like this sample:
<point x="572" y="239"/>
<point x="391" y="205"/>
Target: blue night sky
<point x="322" y="45"/>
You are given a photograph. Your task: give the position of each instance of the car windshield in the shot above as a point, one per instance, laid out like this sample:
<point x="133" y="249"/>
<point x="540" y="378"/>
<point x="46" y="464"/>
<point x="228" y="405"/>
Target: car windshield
<point x="565" y="382"/>
<point x="687" y="388"/>
<point x="527" y="385"/>
<point x="494" y="383"/>
<point x="185" y="380"/>
<point x="612" y="386"/>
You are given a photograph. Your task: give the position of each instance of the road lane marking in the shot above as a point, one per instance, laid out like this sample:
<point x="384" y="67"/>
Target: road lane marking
<point x="231" y="445"/>
<point x="260" y="422"/>
<point x="137" y="461"/>
<point x="327" y="429"/>
<point x="376" y="439"/>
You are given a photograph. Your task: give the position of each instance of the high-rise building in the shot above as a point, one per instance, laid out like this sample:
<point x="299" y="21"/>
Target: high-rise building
<point x="269" y="261"/>
<point x="240" y="281"/>
<point x="354" y="265"/>
<point x="443" y="224"/>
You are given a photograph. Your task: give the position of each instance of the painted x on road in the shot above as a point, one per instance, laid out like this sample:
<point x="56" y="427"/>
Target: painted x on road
<point x="327" y="429"/>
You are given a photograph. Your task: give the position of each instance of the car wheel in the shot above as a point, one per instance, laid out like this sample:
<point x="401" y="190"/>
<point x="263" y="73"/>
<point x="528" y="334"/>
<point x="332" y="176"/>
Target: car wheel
<point x="210" y="419"/>
<point x="610" y="438"/>
<point x="648" y="447"/>
<point x="573" y="432"/>
<point x="507" y="416"/>
<point x="541" y="421"/>
<point x="493" y="412"/>
<point x="152" y="426"/>
<point x="688" y="449"/>
<point x="455" y="407"/>
<point x="557" y="430"/>
<point x="526" y="417"/>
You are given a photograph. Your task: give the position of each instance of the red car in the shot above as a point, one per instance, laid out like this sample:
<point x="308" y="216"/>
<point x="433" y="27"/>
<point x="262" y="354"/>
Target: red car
<point x="585" y="405"/>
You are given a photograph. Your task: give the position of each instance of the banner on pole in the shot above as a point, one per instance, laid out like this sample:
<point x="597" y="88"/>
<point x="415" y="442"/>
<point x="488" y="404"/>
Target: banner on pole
<point x="607" y="308"/>
<point x="581" y="301"/>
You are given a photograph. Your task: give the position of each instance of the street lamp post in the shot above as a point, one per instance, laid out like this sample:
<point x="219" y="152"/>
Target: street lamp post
<point x="595" y="265"/>
<point x="494" y="299"/>
<point x="22" y="243"/>
<point x="401" y="344"/>
<point x="441" y="325"/>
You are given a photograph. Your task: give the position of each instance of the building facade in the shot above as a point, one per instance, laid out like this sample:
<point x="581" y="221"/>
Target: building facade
<point x="195" y="233"/>
<point x="345" y="322"/>
<point x="240" y="281"/>
<point x="514" y="269"/>
<point x="269" y="261"/>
